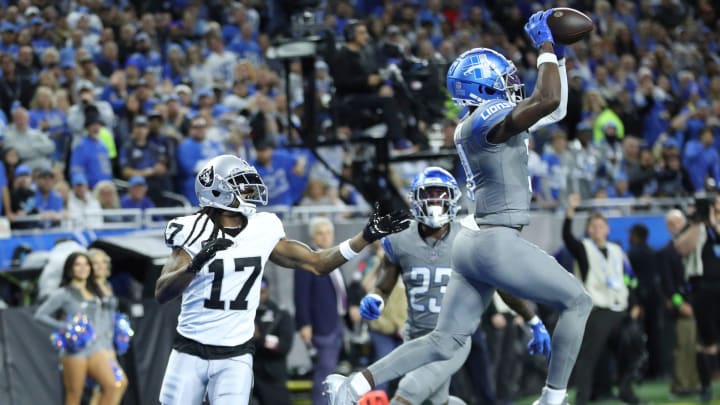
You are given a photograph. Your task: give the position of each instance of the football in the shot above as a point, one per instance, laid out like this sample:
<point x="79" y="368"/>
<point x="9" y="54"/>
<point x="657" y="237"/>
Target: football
<point x="569" y="25"/>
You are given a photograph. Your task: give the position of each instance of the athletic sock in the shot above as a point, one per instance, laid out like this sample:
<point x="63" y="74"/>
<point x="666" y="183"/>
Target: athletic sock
<point x="555" y="396"/>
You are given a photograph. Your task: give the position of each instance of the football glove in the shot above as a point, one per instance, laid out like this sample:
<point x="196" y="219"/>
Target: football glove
<point x="208" y="252"/>
<point x="381" y="226"/>
<point x="371" y="306"/>
<point x="540" y="343"/>
<point x="537" y="28"/>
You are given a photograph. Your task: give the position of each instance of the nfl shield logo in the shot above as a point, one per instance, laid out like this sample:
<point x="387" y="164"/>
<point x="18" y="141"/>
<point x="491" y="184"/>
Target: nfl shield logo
<point x="206" y="176"/>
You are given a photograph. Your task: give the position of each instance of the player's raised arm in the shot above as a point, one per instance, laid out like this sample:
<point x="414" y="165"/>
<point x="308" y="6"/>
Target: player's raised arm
<point x="545" y="97"/>
<point x="294" y="254"/>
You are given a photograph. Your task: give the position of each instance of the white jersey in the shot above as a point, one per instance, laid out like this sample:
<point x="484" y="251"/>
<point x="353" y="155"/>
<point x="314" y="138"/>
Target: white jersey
<point x="218" y="306"/>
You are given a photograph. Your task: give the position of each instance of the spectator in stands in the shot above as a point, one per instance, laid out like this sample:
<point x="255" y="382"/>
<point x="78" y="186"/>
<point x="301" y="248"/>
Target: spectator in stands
<point x="701" y="159"/>
<point x="274" y="331"/>
<point x="584" y="162"/>
<point x="279" y="171"/>
<point x="91" y="157"/>
<point x="4" y="193"/>
<point x="50" y="204"/>
<point x="677" y="296"/>
<point x="84" y="92"/>
<point x="11" y="160"/>
<point x="88" y="70"/>
<point x="607" y="276"/>
<point x="136" y="196"/>
<point x="33" y="147"/>
<point x="46" y="117"/>
<point x="101" y="268"/>
<point x="22" y="198"/>
<point x="13" y="88"/>
<point x="80" y="294"/>
<point x="319" y="193"/>
<point x="357" y="86"/>
<point x="556" y="159"/>
<point x="139" y="157"/>
<point x="106" y="194"/>
<point x="83" y="208"/>
<point x="320" y="304"/>
<point x="643" y="180"/>
<point x="673" y="180"/>
<point x="192" y="154"/>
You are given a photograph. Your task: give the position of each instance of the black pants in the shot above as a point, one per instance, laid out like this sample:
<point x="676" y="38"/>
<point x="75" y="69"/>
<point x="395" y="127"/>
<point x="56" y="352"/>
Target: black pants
<point x="599" y="329"/>
<point x="507" y="361"/>
<point x="271" y="392"/>
<point x="386" y="105"/>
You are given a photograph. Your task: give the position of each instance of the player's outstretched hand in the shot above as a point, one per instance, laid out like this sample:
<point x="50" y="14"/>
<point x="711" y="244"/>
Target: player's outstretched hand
<point x="540" y="343"/>
<point x="371" y="306"/>
<point x="381" y="226"/>
<point x="208" y="252"/>
<point x="537" y="28"/>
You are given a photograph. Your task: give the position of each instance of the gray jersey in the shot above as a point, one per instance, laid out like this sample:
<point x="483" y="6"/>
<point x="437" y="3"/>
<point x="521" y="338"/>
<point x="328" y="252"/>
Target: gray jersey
<point x="497" y="175"/>
<point x="425" y="266"/>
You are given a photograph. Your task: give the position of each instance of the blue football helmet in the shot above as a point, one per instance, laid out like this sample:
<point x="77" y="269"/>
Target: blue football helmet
<point x="481" y="74"/>
<point x="434" y="195"/>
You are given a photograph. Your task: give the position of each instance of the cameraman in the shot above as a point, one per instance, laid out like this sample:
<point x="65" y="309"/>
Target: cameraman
<point x="357" y="86"/>
<point x="698" y="245"/>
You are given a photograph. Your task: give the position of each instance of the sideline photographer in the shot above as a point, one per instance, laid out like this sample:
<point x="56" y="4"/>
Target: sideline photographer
<point x="699" y="245"/>
<point x="358" y="87"/>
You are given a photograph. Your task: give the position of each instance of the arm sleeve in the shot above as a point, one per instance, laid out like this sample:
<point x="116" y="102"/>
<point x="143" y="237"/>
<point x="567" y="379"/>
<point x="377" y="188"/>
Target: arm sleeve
<point x="559" y="113"/>
<point x="44" y="314"/>
<point x="303" y="281"/>
<point x="576" y="248"/>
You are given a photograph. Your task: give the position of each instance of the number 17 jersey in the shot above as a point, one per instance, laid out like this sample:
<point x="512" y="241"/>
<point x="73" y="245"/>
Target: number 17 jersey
<point x="218" y="306"/>
<point x="425" y="269"/>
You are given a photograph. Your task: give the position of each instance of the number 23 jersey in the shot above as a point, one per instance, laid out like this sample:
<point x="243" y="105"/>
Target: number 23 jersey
<point x="425" y="267"/>
<point x="219" y="304"/>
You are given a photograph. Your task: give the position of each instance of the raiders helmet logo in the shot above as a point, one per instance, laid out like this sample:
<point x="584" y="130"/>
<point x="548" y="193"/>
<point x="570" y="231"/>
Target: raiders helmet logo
<point x="206" y="176"/>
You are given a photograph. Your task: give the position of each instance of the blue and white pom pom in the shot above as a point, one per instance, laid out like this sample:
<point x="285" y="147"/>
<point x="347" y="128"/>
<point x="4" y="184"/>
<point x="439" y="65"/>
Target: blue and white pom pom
<point x="123" y="333"/>
<point x="77" y="334"/>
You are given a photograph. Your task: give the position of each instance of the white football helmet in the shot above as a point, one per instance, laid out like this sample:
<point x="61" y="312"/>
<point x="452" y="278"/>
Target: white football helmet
<point x="231" y="184"/>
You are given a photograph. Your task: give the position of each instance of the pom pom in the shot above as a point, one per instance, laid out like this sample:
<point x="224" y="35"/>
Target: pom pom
<point x="123" y="333"/>
<point x="77" y="334"/>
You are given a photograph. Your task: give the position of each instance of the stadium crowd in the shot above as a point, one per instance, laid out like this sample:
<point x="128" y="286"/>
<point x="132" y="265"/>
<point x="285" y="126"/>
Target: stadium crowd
<point x="147" y="92"/>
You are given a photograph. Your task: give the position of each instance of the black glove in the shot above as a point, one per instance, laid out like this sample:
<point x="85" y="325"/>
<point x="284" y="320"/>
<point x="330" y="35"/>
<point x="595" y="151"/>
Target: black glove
<point x="207" y="253"/>
<point x="381" y="226"/>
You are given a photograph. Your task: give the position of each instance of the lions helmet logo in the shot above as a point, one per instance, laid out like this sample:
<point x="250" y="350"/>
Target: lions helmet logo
<point x="206" y="176"/>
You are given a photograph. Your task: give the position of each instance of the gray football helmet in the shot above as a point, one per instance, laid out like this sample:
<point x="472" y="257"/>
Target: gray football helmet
<point x="231" y="184"/>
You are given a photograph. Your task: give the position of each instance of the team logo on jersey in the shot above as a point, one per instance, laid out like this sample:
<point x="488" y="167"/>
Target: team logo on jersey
<point x="206" y="176"/>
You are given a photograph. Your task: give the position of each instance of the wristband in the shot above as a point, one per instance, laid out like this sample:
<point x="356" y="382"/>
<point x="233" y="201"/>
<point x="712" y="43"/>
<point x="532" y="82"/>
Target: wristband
<point x="677" y="300"/>
<point x="534" y="321"/>
<point x="546" y="57"/>
<point x="346" y="251"/>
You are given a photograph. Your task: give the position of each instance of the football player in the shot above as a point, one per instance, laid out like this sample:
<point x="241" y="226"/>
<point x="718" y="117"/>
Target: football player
<point x="488" y="252"/>
<point x="421" y="255"/>
<point x="217" y="261"/>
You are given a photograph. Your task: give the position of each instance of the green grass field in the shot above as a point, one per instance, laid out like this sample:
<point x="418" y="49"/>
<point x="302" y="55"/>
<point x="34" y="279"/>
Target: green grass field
<point x="655" y="393"/>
